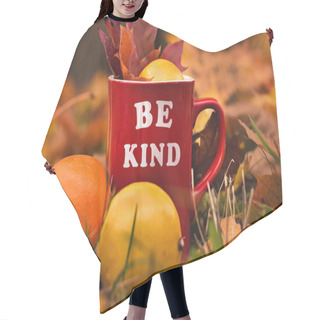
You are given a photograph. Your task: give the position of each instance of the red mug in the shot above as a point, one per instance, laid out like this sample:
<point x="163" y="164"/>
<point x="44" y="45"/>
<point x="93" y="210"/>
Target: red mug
<point x="150" y="139"/>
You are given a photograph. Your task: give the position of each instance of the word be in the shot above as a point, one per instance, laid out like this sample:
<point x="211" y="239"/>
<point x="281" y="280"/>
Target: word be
<point x="145" y="118"/>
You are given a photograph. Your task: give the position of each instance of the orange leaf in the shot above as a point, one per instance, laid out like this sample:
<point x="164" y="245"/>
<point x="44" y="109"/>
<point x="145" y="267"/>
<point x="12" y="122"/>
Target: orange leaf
<point x="269" y="189"/>
<point x="125" y="51"/>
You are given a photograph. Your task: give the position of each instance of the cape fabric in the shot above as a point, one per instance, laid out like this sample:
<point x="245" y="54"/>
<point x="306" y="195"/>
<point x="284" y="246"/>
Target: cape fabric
<point x="166" y="151"/>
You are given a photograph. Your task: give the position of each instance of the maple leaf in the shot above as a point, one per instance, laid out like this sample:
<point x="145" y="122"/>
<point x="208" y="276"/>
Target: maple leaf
<point x="125" y="49"/>
<point x="112" y="54"/>
<point x="129" y="48"/>
<point x="142" y="52"/>
<point x="114" y="32"/>
<point x="173" y="53"/>
<point x="148" y="34"/>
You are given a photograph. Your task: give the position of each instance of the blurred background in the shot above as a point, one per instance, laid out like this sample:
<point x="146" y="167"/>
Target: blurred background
<point x="48" y="269"/>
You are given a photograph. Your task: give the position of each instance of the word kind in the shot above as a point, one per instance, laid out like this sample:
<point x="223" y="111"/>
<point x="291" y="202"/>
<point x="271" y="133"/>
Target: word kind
<point x="144" y="120"/>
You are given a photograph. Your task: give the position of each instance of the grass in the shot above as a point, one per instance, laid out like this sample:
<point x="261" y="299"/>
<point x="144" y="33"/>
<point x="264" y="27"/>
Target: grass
<point x="221" y="204"/>
<point x="208" y="234"/>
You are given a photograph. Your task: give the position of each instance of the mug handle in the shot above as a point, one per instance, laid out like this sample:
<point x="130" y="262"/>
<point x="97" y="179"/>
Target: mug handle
<point x="198" y="106"/>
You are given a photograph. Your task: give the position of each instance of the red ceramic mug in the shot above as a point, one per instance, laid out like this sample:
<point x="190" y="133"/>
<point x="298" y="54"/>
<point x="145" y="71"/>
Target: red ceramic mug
<point x="150" y="139"/>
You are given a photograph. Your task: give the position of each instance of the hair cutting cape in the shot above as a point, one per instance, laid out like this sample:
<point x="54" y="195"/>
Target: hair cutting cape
<point x="166" y="151"/>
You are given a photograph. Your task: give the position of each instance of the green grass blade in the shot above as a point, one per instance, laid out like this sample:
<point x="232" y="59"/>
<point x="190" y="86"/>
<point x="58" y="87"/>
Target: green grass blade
<point x="263" y="141"/>
<point x="215" y="236"/>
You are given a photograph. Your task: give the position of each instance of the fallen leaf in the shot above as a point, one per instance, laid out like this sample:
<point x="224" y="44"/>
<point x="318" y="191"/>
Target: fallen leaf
<point x="269" y="189"/>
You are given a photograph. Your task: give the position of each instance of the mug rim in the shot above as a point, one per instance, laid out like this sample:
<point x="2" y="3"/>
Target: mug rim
<point x="186" y="79"/>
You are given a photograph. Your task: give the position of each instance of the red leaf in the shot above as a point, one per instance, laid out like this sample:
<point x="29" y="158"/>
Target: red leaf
<point x="173" y="53"/>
